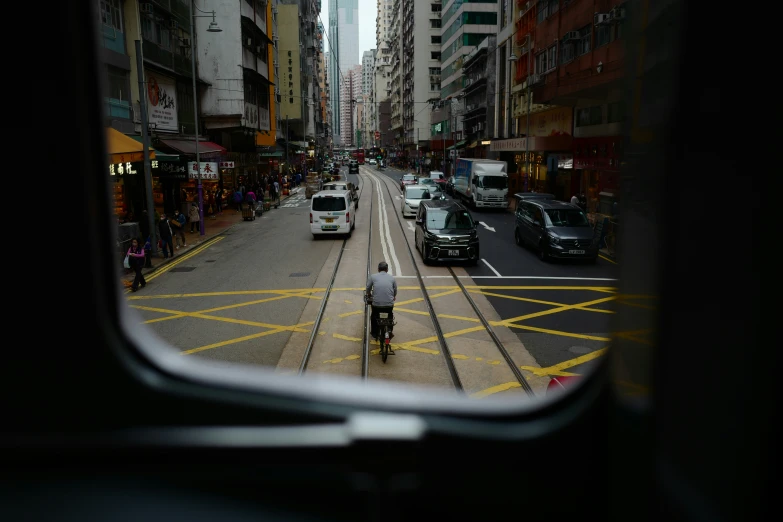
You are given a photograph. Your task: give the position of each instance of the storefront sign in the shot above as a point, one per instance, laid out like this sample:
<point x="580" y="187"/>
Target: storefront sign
<point x="555" y="122"/>
<point x="162" y="102"/>
<point x="226" y="164"/>
<point x="121" y="169"/>
<point x="209" y="170"/>
<point x="514" y="144"/>
<point x="170" y="170"/>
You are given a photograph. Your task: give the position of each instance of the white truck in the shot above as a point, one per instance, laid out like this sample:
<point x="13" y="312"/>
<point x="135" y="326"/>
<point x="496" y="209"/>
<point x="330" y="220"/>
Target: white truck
<point x="481" y="182"/>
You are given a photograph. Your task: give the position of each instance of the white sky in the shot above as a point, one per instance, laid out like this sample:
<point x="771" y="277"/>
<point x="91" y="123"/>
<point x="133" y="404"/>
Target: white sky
<point x="367" y="12"/>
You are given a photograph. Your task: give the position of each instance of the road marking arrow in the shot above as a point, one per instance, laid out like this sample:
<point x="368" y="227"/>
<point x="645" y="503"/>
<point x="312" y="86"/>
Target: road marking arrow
<point x="491" y="229"/>
<point x="411" y="227"/>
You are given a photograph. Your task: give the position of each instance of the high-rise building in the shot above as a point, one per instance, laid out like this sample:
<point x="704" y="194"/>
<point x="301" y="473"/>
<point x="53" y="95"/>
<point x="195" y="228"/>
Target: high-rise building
<point x="416" y="53"/>
<point x="368" y="85"/>
<point x="463" y="27"/>
<point x="343" y="53"/>
<point x="350" y="94"/>
<point x="382" y="72"/>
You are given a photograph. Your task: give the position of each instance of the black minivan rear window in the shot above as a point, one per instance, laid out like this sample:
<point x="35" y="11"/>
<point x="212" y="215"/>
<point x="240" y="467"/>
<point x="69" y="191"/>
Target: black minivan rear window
<point x="328" y="204"/>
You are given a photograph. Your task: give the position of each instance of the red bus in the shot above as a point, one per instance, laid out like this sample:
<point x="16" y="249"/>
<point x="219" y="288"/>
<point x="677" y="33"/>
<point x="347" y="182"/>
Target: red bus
<point x="360" y="156"/>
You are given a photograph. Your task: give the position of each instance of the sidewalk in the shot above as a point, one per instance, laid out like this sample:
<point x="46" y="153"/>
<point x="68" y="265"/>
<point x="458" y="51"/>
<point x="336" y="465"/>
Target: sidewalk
<point x="212" y="228"/>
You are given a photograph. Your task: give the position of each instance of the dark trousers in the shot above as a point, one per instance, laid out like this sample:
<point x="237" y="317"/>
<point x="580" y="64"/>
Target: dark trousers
<point x="139" y="279"/>
<point x="374" y="328"/>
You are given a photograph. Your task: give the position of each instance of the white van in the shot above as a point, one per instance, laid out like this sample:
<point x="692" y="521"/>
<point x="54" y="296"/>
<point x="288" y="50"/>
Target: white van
<point x="332" y="212"/>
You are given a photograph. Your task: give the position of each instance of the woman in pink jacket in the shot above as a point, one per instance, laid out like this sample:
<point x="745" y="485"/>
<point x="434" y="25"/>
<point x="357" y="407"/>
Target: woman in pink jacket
<point x="136" y="260"/>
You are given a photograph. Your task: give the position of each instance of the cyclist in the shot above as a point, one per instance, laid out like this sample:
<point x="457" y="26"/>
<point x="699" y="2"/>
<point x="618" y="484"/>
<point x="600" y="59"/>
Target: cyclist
<point x="383" y="289"/>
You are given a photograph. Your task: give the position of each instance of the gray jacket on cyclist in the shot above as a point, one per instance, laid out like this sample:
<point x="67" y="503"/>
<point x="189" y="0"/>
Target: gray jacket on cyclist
<point x="384" y="289"/>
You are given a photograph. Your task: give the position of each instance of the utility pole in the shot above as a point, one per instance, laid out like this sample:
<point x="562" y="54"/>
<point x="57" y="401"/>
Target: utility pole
<point x="145" y="139"/>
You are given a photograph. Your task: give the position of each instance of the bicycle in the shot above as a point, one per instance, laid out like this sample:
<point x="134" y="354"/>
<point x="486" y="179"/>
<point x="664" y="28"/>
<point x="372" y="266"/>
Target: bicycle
<point x="384" y="324"/>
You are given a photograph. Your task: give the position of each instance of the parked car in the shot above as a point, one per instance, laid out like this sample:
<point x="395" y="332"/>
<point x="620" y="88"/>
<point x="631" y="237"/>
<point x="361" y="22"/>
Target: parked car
<point x="408" y="179"/>
<point x="556" y="229"/>
<point x="332" y="212"/>
<point x="445" y="230"/>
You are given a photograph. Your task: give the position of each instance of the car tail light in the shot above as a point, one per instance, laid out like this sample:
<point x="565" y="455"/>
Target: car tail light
<point x="311" y="217"/>
<point x="347" y="217"/>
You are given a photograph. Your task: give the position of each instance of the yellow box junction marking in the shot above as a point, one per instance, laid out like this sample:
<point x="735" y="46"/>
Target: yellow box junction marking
<point x="279" y="294"/>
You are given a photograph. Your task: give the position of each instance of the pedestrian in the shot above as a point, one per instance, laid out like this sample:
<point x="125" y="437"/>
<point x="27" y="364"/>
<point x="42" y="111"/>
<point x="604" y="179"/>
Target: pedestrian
<point x="136" y="260"/>
<point x="194" y="217"/>
<point x="166" y="242"/>
<point x="178" y="228"/>
<point x="219" y="200"/>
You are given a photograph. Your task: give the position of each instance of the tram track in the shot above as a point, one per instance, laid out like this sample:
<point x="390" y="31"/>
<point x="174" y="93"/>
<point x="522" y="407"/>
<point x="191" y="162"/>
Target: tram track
<point x="322" y="309"/>
<point x="445" y="350"/>
<point x="368" y="178"/>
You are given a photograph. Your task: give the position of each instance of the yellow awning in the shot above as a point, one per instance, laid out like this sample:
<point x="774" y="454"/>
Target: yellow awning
<point x="124" y="149"/>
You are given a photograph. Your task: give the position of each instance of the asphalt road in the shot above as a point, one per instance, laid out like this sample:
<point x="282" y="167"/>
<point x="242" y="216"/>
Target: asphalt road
<point x="248" y="297"/>
<point x="551" y="338"/>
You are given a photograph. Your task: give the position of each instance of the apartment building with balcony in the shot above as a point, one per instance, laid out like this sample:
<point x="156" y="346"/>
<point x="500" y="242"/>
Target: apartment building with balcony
<point x="382" y="71"/>
<point x="479" y="72"/>
<point x="395" y="83"/>
<point x="322" y="118"/>
<point x="237" y="106"/>
<point x="421" y="44"/>
<point x="576" y="113"/>
<point x="368" y="85"/>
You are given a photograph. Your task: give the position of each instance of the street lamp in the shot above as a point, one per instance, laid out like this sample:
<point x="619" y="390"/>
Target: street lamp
<point x="213" y="28"/>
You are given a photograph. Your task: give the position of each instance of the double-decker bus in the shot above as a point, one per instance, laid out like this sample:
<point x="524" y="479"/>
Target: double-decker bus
<point x="360" y="156"/>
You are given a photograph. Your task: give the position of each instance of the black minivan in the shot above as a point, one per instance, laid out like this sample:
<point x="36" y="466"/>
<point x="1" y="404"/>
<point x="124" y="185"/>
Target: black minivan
<point x="445" y="231"/>
<point x="555" y="229"/>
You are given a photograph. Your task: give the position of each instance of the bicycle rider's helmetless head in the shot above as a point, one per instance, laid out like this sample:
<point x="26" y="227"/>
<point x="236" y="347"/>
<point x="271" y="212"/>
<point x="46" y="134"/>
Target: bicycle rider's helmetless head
<point x="383" y="267"/>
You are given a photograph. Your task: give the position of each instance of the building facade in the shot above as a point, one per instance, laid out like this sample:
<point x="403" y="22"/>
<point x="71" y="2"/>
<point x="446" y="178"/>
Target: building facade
<point x="369" y="116"/>
<point x="350" y="94"/>
<point x="567" y="99"/>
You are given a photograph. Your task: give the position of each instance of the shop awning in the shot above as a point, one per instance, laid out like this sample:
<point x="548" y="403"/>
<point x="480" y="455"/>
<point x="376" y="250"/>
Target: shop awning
<point x="473" y="145"/>
<point x="459" y="145"/>
<point x="123" y="149"/>
<point x="189" y="146"/>
<point x="160" y="156"/>
<point x="276" y="154"/>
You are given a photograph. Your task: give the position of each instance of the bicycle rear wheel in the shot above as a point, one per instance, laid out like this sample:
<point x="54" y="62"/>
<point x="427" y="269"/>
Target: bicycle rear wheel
<point x="384" y="347"/>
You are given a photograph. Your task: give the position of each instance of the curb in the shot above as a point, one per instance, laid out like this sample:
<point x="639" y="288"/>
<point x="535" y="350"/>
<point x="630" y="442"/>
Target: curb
<point x="164" y="262"/>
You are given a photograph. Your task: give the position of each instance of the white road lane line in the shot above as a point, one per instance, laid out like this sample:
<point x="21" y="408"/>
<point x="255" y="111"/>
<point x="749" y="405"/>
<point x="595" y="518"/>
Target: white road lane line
<point x="391" y="255"/>
<point x="491" y="267"/>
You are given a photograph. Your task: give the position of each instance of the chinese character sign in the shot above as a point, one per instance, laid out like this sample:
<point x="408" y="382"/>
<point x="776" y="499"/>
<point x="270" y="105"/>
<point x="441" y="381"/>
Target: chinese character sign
<point x="162" y="102"/>
<point x="209" y="170"/>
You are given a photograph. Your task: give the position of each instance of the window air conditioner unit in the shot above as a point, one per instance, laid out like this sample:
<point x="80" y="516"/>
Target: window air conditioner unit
<point x="601" y="18"/>
<point x="250" y="42"/>
<point x="571" y="35"/>
<point x="617" y="13"/>
<point x="146" y="8"/>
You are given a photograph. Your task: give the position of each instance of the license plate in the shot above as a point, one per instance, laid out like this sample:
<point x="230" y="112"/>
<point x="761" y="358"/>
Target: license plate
<point x="453" y="252"/>
<point x="329" y="220"/>
<point x="576" y="251"/>
<point x="383" y="315"/>
<point x="329" y="227"/>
